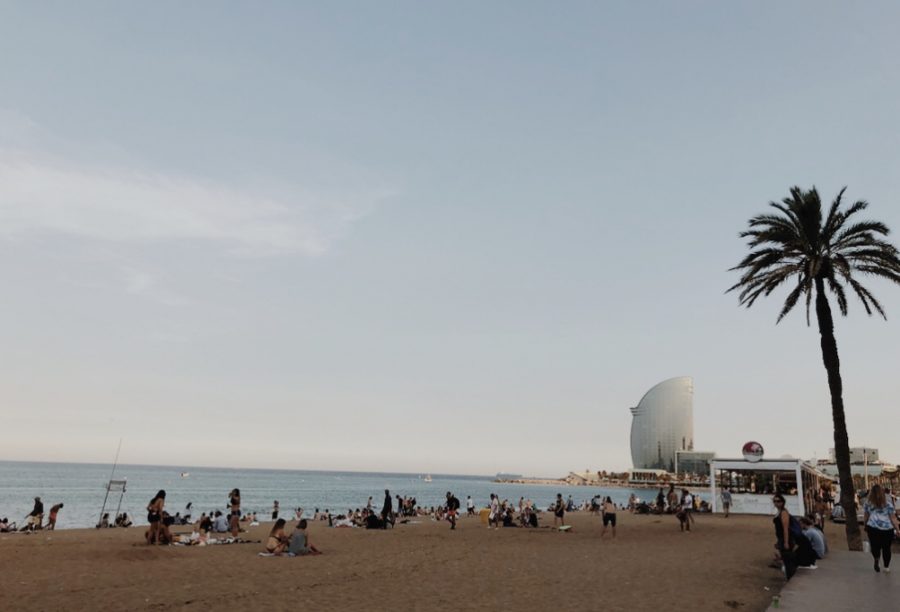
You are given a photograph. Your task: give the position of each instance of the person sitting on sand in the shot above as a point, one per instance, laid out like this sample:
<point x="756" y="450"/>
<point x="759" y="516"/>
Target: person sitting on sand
<point x="5" y="526"/>
<point x="278" y="540"/>
<point x="300" y="544"/>
<point x="51" y="520"/>
<point x="104" y="521"/>
<point x="220" y="523"/>
<point x="154" y="516"/>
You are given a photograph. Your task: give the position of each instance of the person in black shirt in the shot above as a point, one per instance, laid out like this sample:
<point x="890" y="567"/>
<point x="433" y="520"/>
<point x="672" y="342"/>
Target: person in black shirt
<point x="35" y="517"/>
<point x="387" y="510"/>
<point x="452" y="509"/>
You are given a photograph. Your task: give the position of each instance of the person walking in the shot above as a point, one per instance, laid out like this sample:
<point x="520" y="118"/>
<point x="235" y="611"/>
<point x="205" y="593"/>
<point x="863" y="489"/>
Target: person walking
<point x="452" y="509"/>
<point x="275" y="509"/>
<point x="687" y="505"/>
<point x="881" y="524"/>
<point x="470" y="506"/>
<point x="726" y="500"/>
<point x="494" y="516"/>
<point x="609" y="516"/>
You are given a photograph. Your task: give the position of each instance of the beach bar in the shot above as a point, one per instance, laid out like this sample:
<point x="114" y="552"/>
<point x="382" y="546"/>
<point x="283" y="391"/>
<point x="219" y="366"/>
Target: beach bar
<point x="753" y="483"/>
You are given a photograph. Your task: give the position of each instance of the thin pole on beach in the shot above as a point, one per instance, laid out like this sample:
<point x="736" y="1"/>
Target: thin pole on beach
<point x="113" y="473"/>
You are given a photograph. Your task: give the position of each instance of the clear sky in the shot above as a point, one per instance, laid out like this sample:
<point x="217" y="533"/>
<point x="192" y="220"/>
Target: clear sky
<point x="430" y="237"/>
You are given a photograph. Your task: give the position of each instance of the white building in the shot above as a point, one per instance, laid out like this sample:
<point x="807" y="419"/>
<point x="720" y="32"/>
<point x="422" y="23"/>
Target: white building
<point x="663" y="423"/>
<point x="858" y="454"/>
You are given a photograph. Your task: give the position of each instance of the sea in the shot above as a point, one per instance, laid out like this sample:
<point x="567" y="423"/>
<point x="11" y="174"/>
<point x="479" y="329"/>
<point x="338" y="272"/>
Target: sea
<point x="82" y="487"/>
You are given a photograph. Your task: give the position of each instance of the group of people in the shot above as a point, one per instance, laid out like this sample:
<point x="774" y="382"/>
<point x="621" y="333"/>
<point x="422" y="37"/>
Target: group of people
<point x="799" y="543"/>
<point x="296" y="544"/>
<point x="160" y="520"/>
<point x="34" y="520"/>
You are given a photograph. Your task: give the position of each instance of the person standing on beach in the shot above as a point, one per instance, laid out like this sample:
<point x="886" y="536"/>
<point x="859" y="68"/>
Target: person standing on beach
<point x="51" y="520"/>
<point x="369" y="505"/>
<point x="559" y="512"/>
<point x="609" y="516"/>
<point x="387" y="510"/>
<point x="275" y="511"/>
<point x="470" y="506"/>
<point x="672" y="499"/>
<point x="452" y="509"/>
<point x="234" y="519"/>
<point x="687" y="506"/>
<point x="154" y="517"/>
<point x="494" y="516"/>
<point x="881" y="524"/>
<point x="726" y="500"/>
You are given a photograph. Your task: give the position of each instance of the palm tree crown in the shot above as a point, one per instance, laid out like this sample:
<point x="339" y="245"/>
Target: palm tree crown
<point x="803" y="243"/>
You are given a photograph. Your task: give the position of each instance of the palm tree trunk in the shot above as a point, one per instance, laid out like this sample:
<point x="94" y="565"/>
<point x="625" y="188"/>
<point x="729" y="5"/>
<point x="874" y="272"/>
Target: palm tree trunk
<point x="841" y="444"/>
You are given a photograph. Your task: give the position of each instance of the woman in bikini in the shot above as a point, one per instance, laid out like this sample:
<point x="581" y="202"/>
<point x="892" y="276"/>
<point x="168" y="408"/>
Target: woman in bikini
<point x="154" y="516"/>
<point x="235" y="518"/>
<point x="278" y="541"/>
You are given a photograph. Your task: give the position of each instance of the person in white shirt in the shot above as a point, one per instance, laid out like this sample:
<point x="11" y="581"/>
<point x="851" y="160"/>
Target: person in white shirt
<point x="470" y="506"/>
<point x="220" y="525"/>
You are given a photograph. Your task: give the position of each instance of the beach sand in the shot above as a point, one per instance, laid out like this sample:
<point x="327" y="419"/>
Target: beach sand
<point x="721" y="565"/>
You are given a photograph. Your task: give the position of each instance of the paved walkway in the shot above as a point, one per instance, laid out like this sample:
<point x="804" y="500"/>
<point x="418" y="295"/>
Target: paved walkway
<point x="845" y="581"/>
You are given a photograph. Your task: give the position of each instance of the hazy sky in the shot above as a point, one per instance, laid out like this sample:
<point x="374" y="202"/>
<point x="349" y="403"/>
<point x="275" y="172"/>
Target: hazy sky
<point x="430" y="237"/>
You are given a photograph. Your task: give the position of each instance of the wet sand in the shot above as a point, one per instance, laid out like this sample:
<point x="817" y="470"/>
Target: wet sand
<point x="721" y="565"/>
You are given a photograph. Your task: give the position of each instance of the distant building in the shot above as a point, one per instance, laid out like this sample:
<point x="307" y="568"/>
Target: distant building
<point x="693" y="462"/>
<point x="858" y="454"/>
<point x="663" y="423"/>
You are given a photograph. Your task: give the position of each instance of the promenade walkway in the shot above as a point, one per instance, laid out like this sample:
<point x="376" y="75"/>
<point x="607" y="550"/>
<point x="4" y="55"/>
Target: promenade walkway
<point x="845" y="581"/>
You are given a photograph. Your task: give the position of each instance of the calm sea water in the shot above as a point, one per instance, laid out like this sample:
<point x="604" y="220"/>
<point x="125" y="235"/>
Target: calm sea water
<point x="82" y="487"/>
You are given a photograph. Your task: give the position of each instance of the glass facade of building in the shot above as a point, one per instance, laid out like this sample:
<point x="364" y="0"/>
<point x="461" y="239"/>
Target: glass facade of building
<point x="663" y="422"/>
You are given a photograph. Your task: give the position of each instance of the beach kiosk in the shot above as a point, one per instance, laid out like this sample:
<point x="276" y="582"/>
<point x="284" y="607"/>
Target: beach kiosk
<point x="753" y="482"/>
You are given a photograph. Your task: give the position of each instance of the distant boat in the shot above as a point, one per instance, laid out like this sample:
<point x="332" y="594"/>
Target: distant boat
<point x="185" y="474"/>
<point x="428" y="478"/>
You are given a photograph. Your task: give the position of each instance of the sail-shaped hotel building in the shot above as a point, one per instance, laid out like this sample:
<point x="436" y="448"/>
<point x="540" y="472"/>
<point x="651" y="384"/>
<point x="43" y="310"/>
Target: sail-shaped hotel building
<point x="663" y="424"/>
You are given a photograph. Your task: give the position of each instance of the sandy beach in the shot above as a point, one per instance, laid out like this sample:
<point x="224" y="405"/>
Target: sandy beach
<point x="721" y="565"/>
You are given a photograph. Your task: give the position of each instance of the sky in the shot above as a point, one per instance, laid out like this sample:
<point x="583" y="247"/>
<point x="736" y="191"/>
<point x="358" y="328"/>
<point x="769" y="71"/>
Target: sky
<point x="449" y="237"/>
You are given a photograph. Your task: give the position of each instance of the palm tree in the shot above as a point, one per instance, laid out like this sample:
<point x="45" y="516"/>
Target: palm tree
<point x="819" y="252"/>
